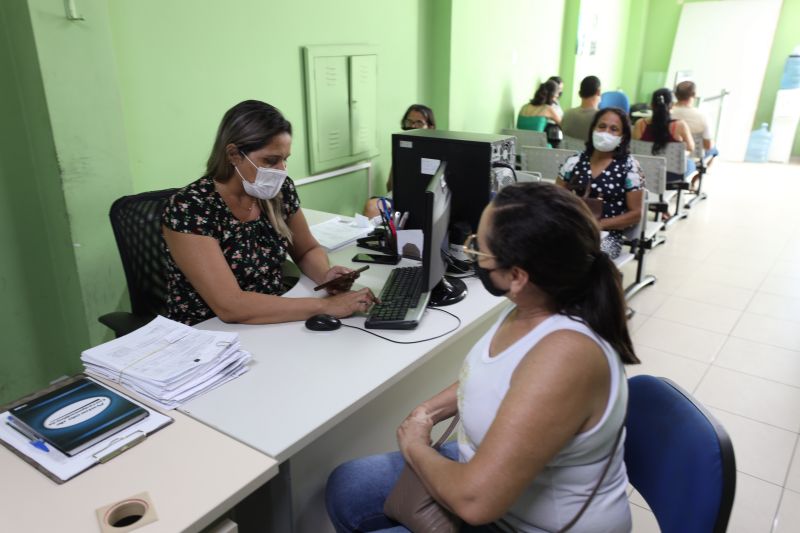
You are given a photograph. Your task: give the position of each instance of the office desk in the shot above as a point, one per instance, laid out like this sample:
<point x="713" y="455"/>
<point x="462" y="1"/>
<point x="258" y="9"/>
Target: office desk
<point x="192" y="473"/>
<point x="302" y="384"/>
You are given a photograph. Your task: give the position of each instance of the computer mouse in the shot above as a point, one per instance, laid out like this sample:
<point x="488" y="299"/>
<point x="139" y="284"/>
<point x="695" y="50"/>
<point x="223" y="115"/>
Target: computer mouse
<point x="323" y="323"/>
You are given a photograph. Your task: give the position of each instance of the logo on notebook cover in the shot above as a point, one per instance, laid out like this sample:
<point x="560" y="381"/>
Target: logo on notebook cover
<point x="77" y="412"/>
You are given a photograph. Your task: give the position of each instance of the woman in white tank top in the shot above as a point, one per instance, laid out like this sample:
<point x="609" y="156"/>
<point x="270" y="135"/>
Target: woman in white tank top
<point x="542" y="396"/>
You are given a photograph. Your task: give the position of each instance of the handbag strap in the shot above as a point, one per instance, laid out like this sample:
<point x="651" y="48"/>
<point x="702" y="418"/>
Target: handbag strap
<point x="447" y="431"/>
<point x="599" y="481"/>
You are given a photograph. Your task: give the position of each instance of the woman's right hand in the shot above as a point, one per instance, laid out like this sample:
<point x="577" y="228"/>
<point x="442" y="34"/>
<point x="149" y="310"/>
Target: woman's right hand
<point x="347" y="303"/>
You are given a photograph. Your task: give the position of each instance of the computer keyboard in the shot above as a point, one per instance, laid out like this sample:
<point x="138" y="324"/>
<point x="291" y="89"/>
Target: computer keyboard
<point x="400" y="306"/>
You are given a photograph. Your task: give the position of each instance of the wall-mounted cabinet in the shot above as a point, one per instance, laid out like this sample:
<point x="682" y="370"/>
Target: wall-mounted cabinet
<point x="341" y="105"/>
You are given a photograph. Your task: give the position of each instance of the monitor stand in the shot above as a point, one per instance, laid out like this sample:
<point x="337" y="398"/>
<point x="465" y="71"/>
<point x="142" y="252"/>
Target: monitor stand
<point x="447" y="292"/>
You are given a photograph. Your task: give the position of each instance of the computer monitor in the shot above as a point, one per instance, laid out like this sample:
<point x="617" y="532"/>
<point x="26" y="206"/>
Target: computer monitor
<point x="435" y="243"/>
<point x="470" y="160"/>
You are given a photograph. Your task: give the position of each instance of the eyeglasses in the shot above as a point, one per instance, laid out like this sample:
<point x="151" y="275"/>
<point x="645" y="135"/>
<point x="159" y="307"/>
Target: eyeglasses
<point x="413" y="124"/>
<point x="471" y="247"/>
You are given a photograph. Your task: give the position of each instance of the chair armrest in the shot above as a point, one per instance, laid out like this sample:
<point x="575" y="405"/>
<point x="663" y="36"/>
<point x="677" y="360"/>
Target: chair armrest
<point x="123" y="322"/>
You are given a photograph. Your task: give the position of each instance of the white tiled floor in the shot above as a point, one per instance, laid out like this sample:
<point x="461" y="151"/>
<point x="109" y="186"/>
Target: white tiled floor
<point x="723" y="321"/>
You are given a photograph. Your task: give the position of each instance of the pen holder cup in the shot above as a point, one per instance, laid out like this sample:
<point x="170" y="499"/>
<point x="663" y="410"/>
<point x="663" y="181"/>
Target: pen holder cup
<point x="127" y="515"/>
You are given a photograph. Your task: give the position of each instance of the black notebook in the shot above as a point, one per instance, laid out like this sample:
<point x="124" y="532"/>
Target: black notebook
<point x="75" y="416"/>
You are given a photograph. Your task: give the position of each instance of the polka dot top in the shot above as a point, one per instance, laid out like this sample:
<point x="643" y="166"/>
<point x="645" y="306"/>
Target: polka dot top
<point x="254" y="250"/>
<point x="620" y="177"/>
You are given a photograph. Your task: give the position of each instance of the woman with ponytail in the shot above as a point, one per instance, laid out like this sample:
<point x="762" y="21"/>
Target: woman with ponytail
<point x="542" y="396"/>
<point x="661" y="128"/>
<point x="228" y="233"/>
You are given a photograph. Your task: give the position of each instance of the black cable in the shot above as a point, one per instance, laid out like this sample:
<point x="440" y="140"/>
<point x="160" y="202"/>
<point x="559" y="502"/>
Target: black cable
<point x="411" y="342"/>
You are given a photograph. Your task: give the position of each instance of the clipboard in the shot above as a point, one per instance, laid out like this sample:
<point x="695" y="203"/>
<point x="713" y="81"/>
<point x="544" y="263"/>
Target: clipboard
<point x="61" y="468"/>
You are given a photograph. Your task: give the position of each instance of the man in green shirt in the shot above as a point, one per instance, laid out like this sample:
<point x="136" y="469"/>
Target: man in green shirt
<point x="578" y="120"/>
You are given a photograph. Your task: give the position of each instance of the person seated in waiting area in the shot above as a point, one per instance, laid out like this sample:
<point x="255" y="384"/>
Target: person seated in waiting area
<point x="559" y="91"/>
<point x="416" y="117"/>
<point x="661" y="129"/>
<point x="609" y="172"/>
<point x="228" y="233"/>
<point x="685" y="110"/>
<point x="542" y="395"/>
<point x="541" y="105"/>
<point x="577" y="121"/>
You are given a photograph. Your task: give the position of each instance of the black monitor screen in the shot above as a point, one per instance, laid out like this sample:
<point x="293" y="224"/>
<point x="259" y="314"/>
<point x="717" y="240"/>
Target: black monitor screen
<point x="435" y="222"/>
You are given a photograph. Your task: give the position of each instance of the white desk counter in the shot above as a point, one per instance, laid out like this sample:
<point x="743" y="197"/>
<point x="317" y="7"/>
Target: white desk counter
<point x="302" y="384"/>
<point x="192" y="474"/>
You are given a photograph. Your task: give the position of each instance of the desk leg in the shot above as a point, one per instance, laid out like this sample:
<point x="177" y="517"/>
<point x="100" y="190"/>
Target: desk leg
<point x="268" y="508"/>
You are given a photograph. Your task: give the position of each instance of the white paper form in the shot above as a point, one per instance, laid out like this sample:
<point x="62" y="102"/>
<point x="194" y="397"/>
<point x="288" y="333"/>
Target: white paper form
<point x="162" y="351"/>
<point x="169" y="362"/>
<point x="337" y="232"/>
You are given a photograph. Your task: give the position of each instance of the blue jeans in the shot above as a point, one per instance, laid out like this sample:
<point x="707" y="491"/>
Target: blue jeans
<point x="357" y="489"/>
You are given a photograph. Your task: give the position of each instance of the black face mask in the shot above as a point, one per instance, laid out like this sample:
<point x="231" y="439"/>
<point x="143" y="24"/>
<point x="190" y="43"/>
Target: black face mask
<point x="484" y="275"/>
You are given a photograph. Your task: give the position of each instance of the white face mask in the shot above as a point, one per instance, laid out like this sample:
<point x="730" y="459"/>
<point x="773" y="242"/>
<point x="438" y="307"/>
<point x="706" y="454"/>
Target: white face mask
<point x="267" y="184"/>
<point x="604" y="141"/>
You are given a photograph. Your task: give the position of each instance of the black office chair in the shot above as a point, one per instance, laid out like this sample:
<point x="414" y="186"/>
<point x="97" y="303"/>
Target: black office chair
<point x="136" y="221"/>
<point x="679" y="457"/>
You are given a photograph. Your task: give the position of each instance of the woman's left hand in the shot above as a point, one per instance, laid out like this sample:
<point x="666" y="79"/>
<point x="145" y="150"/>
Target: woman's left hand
<point x="345" y="284"/>
<point x="415" y="429"/>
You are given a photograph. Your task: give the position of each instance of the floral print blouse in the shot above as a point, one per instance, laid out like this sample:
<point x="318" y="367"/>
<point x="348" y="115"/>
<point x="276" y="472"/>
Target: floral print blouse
<point x="254" y="250"/>
<point x="619" y="178"/>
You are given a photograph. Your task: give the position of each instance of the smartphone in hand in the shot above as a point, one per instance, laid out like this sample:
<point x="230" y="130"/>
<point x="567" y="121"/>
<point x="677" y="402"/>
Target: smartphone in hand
<point x="378" y="259"/>
<point x="341" y="280"/>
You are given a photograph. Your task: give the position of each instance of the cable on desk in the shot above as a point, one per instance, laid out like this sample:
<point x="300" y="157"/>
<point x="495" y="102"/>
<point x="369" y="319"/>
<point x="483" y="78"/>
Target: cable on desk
<point x="412" y="342"/>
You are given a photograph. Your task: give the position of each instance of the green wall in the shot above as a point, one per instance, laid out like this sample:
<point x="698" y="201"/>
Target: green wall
<point x="787" y="37"/>
<point x="129" y="99"/>
<point x="198" y="61"/>
<point x="497" y="58"/>
<point x="41" y="310"/>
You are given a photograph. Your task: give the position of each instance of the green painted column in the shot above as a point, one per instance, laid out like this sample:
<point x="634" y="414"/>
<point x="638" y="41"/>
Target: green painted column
<point x="569" y="46"/>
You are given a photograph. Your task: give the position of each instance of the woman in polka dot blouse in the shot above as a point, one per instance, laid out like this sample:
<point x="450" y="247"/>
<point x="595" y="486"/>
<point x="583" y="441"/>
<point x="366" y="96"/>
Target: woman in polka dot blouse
<point x="611" y="174"/>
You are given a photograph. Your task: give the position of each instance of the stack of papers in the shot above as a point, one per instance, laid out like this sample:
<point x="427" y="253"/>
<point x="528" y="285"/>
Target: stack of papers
<point x="338" y="231"/>
<point x="168" y="362"/>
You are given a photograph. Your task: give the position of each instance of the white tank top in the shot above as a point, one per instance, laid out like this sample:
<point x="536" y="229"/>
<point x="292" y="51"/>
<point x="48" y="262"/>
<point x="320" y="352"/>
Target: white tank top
<point x="559" y="491"/>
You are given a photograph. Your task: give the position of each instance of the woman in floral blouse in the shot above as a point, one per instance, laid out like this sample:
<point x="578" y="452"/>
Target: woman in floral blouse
<point x="228" y="233"/>
<point x="613" y="176"/>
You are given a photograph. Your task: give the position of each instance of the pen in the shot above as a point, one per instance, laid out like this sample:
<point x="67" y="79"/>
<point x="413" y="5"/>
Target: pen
<point x="35" y="441"/>
<point x="403" y="220"/>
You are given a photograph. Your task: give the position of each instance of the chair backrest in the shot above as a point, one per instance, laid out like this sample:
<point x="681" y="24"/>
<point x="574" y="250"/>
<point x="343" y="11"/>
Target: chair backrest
<point x="615" y="99"/>
<point x="531" y="123"/>
<point x="136" y="221"/>
<point x="674" y="152"/>
<point x="678" y="457"/>
<point x="699" y="153"/>
<point x="547" y="161"/>
<point x="655" y="172"/>
<point x="571" y="143"/>
<point x="527" y="137"/>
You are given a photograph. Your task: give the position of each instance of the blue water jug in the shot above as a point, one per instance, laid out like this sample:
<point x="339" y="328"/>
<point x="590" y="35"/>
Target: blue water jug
<point x="791" y="71"/>
<point x="758" y="147"/>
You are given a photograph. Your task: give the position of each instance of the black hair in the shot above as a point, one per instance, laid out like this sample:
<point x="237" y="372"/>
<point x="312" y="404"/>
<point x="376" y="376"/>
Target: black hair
<point x="685" y="90"/>
<point x="424" y="110"/>
<point x="590" y="85"/>
<point x="624" y="149"/>
<point x="550" y="234"/>
<point x="661" y="102"/>
<point x="545" y="94"/>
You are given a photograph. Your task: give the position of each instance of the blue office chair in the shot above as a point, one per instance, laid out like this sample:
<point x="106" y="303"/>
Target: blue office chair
<point x="678" y="457"/>
<point x="615" y="99"/>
